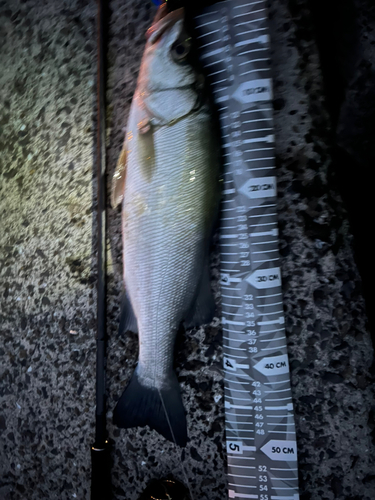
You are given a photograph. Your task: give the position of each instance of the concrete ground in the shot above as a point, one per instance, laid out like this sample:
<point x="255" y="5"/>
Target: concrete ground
<point x="48" y="273"/>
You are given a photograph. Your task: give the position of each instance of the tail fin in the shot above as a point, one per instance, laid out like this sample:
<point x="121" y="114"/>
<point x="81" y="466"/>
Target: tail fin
<point x="161" y="410"/>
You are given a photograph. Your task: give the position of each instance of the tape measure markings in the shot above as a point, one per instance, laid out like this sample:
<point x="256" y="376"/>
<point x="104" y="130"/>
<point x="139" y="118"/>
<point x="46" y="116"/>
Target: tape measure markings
<point x="258" y="404"/>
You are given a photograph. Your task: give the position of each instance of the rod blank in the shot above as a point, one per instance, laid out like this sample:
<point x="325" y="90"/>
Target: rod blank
<point x="100" y="451"/>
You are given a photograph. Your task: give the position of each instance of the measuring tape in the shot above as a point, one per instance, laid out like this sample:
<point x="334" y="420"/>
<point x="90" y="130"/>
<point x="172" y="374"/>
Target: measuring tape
<point x="260" y="430"/>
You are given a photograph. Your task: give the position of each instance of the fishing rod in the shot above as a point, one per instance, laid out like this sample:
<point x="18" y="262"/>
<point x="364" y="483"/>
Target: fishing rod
<point x="100" y="450"/>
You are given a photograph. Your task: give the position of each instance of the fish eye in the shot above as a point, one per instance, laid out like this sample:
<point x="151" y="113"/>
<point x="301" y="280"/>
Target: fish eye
<point x="180" y="50"/>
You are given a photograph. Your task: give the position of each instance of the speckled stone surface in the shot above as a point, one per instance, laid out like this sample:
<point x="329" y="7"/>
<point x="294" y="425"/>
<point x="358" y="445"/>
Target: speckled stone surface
<point x="48" y="275"/>
<point x="329" y="343"/>
<point x="47" y="267"/>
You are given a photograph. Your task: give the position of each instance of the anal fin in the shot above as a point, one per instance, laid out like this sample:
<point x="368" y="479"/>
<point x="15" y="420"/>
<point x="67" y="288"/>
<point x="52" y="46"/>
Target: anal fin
<point x="128" y="320"/>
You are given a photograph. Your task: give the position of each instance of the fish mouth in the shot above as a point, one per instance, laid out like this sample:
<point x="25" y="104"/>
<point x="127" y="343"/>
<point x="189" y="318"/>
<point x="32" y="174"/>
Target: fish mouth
<point x="162" y="22"/>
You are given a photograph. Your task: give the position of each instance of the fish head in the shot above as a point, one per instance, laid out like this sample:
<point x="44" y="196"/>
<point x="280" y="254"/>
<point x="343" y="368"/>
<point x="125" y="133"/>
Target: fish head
<point x="167" y="48"/>
<point x="168" y="83"/>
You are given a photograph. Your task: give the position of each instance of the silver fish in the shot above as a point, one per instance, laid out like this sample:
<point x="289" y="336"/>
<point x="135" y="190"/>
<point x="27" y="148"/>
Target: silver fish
<point x="167" y="182"/>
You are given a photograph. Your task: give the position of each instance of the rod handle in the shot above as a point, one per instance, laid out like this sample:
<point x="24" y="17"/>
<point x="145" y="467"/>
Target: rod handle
<point x="101" y="472"/>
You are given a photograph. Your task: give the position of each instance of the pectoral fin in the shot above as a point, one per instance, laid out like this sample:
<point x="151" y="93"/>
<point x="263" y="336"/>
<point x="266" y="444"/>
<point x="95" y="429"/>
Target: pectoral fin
<point x="118" y="180"/>
<point x="139" y="124"/>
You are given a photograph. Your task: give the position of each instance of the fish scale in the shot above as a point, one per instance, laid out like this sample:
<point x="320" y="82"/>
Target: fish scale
<point x="161" y="239"/>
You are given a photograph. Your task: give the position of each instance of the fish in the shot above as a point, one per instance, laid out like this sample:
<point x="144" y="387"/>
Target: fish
<point x="167" y="183"/>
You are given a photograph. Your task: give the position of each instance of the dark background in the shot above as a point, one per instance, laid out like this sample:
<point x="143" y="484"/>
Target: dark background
<point x="344" y="33"/>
